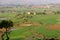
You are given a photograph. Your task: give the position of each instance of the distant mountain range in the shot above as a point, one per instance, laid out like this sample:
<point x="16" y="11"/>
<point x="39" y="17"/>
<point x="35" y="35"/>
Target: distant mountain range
<point x="47" y="6"/>
<point x="58" y="4"/>
<point x="33" y="6"/>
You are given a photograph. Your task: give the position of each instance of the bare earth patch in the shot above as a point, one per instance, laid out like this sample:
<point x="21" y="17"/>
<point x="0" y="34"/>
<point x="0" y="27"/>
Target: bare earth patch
<point x="27" y="24"/>
<point x="53" y="27"/>
<point x="1" y="32"/>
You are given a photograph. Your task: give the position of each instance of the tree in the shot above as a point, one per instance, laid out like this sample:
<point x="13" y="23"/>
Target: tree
<point x="6" y="24"/>
<point x="58" y="12"/>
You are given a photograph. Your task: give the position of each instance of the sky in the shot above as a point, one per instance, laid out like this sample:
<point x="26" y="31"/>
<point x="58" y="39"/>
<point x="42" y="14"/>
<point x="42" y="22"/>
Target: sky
<point x="37" y="2"/>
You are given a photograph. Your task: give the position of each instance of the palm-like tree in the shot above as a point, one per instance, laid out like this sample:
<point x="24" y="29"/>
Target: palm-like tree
<point x="6" y="24"/>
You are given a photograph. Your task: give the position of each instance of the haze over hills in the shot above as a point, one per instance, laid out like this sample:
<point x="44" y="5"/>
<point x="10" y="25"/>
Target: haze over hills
<point x="28" y="2"/>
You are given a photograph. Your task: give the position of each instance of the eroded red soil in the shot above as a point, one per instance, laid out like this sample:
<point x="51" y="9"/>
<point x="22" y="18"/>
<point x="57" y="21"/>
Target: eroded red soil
<point x="53" y="27"/>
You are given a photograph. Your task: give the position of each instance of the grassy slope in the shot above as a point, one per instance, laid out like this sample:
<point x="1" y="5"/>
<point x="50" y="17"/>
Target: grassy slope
<point x="46" y="20"/>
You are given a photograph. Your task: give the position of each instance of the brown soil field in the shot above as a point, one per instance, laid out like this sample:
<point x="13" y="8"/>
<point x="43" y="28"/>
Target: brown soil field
<point x="53" y="27"/>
